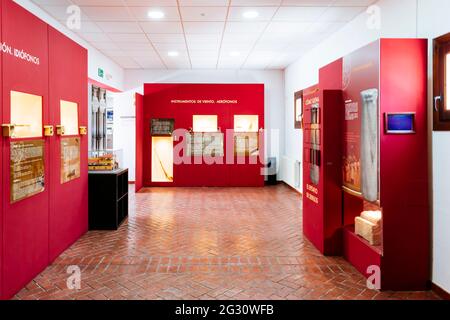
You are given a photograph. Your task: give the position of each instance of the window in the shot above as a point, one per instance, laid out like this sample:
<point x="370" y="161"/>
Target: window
<point x="441" y="79"/>
<point x="298" y="109"/>
<point x="447" y="83"/>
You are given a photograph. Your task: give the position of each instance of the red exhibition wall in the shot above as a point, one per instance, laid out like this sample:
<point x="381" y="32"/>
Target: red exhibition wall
<point x="35" y="230"/>
<point x="394" y="72"/>
<point x="139" y="183"/>
<point x="322" y="161"/>
<point x="67" y="223"/>
<point x="158" y="103"/>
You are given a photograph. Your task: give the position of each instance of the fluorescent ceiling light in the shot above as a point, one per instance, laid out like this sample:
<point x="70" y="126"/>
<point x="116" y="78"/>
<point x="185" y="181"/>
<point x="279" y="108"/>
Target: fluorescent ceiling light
<point x="251" y="14"/>
<point x="173" y="53"/>
<point x="156" y="14"/>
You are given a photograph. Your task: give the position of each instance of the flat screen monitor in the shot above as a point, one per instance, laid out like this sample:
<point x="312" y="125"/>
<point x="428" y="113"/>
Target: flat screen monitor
<point x="400" y="123"/>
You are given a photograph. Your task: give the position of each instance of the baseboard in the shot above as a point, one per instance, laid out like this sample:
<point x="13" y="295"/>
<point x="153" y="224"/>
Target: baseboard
<point x="292" y="188"/>
<point x="440" y="292"/>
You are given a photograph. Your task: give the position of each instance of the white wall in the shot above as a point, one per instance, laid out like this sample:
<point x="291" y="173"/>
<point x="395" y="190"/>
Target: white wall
<point x="399" y="19"/>
<point x="433" y="21"/>
<point x="95" y="58"/>
<point x="274" y="102"/>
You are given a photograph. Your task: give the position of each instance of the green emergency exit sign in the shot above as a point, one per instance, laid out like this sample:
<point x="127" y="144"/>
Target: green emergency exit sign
<point x="101" y="73"/>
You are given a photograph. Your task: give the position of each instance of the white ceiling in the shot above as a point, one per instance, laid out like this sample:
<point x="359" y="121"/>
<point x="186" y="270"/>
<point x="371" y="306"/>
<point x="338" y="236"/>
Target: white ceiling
<point x="207" y="34"/>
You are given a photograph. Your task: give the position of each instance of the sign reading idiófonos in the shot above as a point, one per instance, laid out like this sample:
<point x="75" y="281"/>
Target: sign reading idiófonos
<point x="19" y="53"/>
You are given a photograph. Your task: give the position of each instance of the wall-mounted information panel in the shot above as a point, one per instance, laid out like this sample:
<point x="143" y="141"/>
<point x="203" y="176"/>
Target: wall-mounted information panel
<point x="162" y="127"/>
<point x="70" y="159"/>
<point x="27" y="169"/>
<point x="246" y="143"/>
<point x="208" y="144"/>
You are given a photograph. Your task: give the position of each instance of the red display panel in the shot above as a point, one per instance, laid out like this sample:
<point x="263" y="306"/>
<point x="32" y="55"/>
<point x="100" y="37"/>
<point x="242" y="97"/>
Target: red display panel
<point x="1" y="165"/>
<point x="68" y="200"/>
<point x="25" y="223"/>
<point x="242" y="99"/>
<point x="404" y="166"/>
<point x="395" y="71"/>
<point x="322" y="214"/>
<point x="139" y="179"/>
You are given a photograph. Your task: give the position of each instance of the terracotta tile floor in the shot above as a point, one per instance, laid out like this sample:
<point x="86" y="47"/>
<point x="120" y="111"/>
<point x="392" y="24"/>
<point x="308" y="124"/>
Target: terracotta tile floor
<point x="207" y="243"/>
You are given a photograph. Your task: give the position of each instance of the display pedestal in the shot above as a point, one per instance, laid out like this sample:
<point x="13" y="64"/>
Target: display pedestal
<point x="108" y="199"/>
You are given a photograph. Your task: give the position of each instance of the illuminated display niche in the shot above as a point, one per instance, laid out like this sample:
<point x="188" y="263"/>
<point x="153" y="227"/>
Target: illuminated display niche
<point x="26" y="115"/>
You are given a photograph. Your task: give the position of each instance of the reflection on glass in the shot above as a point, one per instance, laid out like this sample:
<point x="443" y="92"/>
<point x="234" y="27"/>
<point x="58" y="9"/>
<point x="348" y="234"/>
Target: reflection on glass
<point x="26" y="114"/>
<point x="162" y="159"/>
<point x="447" y="82"/>
<point x="204" y="124"/>
<point x="69" y="117"/>
<point x="246" y="123"/>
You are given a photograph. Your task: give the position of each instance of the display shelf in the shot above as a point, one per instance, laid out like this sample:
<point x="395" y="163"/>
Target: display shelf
<point x="108" y="199"/>
<point x="359" y="252"/>
<point x="351" y="230"/>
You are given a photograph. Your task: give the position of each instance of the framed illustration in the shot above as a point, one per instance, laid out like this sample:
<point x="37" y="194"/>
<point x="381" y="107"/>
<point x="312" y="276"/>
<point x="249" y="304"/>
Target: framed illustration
<point x="298" y="110"/>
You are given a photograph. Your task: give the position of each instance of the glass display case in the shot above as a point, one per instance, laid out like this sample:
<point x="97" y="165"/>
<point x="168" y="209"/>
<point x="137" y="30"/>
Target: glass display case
<point x="105" y="160"/>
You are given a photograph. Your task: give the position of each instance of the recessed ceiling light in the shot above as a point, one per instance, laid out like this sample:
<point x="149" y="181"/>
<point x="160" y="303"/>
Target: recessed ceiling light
<point x="251" y="14"/>
<point x="156" y="14"/>
<point x="235" y="53"/>
<point x="173" y="53"/>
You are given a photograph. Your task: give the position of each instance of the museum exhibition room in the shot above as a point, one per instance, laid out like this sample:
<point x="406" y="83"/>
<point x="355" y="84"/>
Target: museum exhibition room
<point x="225" y="150"/>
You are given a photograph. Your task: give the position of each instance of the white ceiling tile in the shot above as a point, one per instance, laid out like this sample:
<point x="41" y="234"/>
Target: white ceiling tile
<point x="170" y="46"/>
<point x="141" y="53"/>
<point x="288" y="27"/>
<point x="326" y="27"/>
<point x="204" y="38"/>
<point x="204" y="3"/>
<point x="309" y="3"/>
<point x="113" y="53"/>
<point x="265" y="13"/>
<point x="127" y="46"/>
<point x="355" y="3"/>
<point x="151" y="3"/>
<point x="60" y="12"/>
<point x="204" y="54"/>
<point x="141" y="13"/>
<point x="255" y="2"/>
<point x="204" y="46"/>
<point x="107" y="13"/>
<point x="105" y="45"/>
<point x="341" y="14"/>
<point x="85" y="26"/>
<point x="126" y="62"/>
<point x="166" y="38"/>
<point x="100" y="3"/>
<point x="204" y="13"/>
<point x="247" y="27"/>
<point x="161" y="27"/>
<point x="119" y="27"/>
<point x="96" y="37"/>
<point x="128" y="37"/>
<point x="149" y="63"/>
<point x="53" y="2"/>
<point x="240" y="37"/>
<point x="203" y="27"/>
<point x="299" y="14"/>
